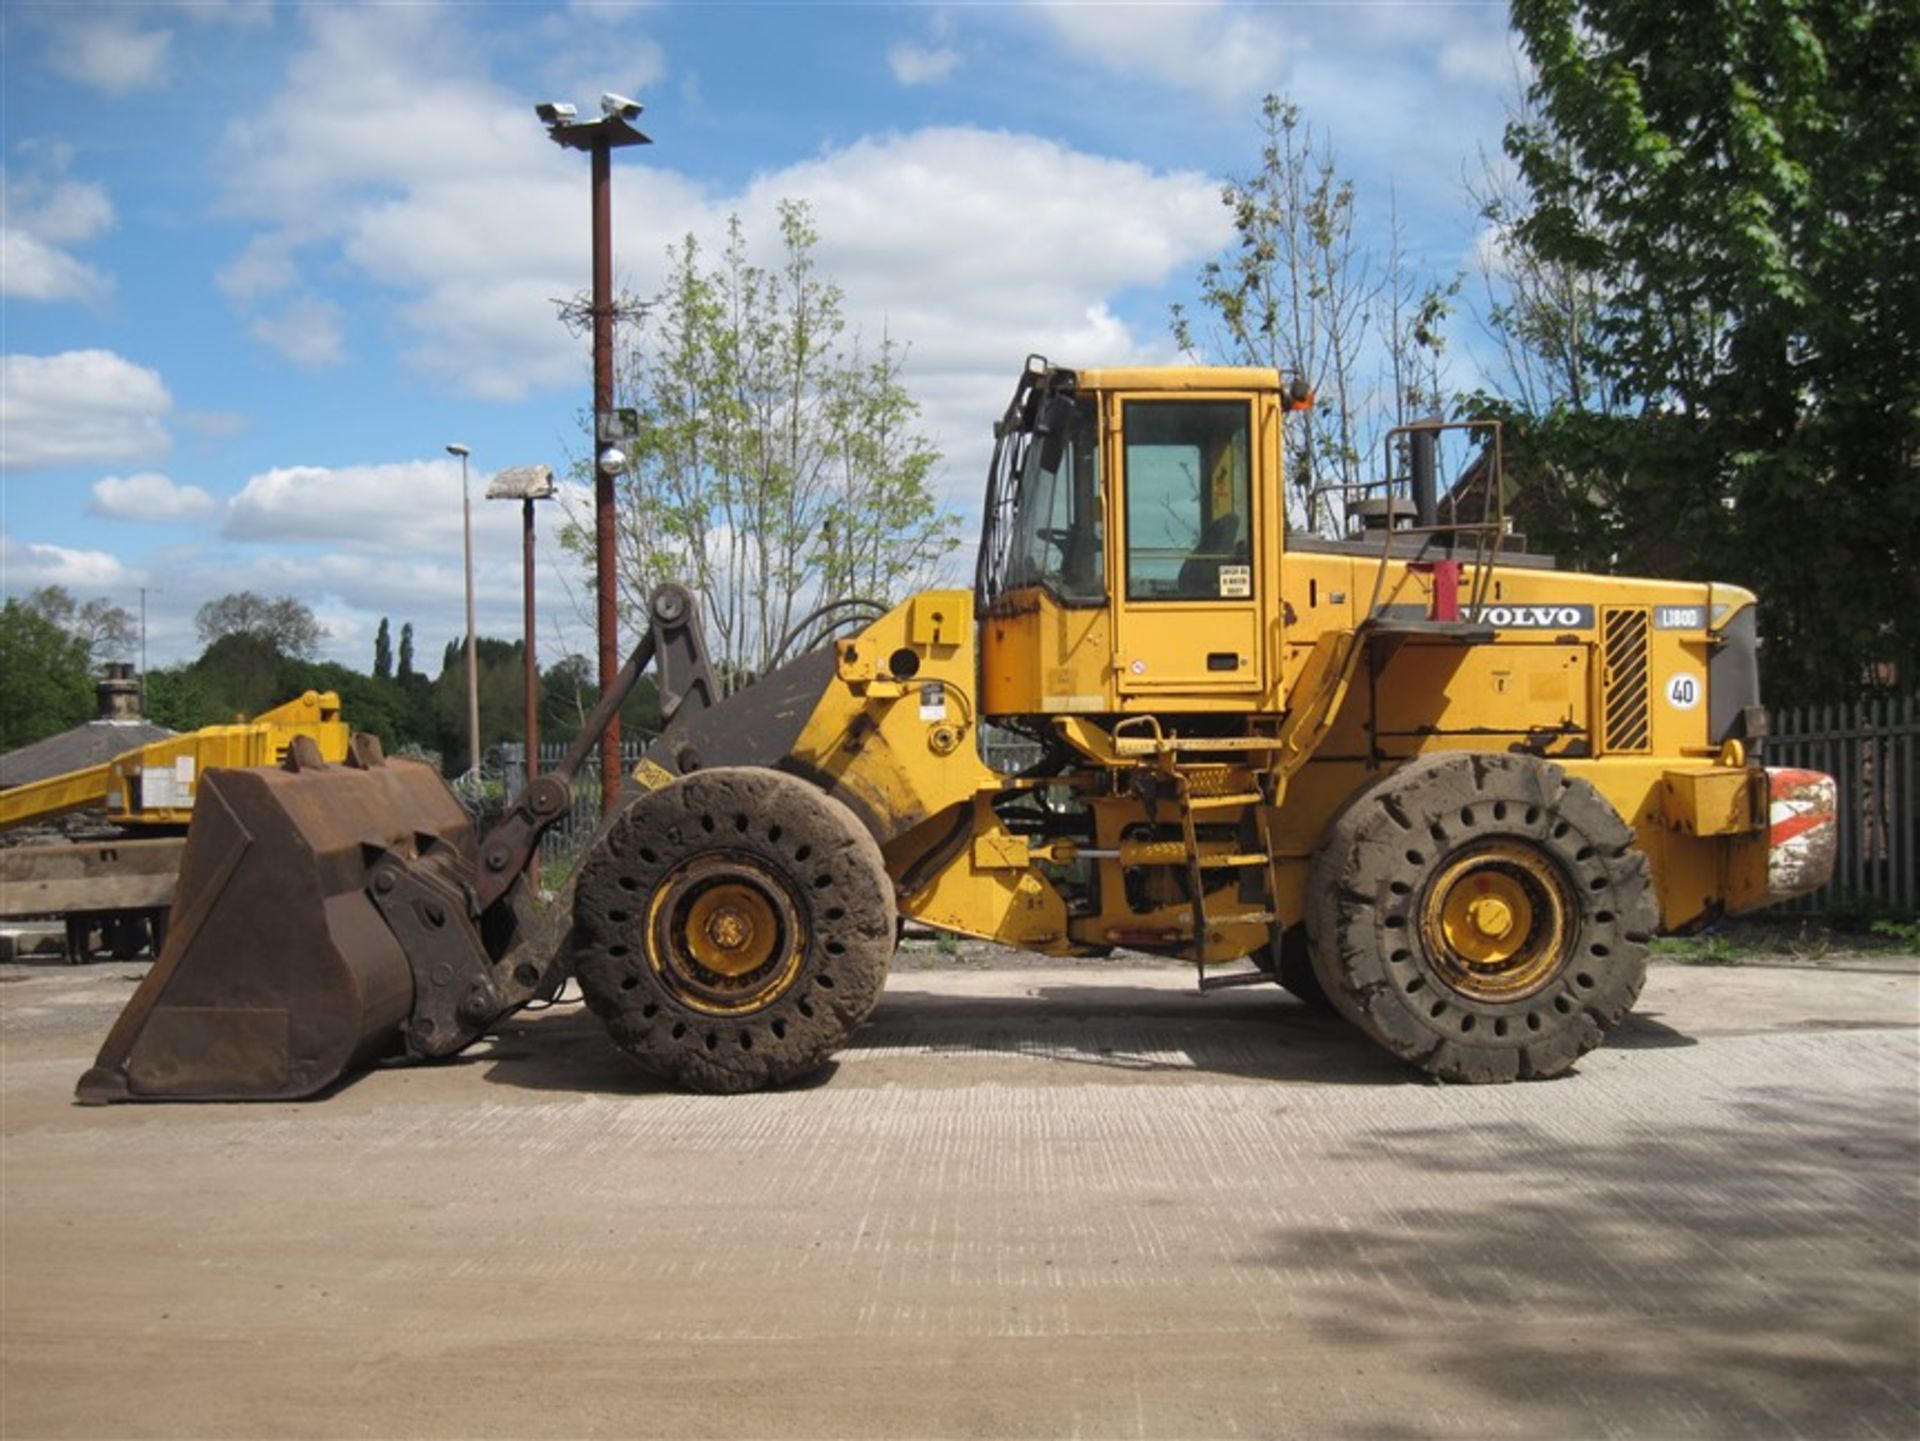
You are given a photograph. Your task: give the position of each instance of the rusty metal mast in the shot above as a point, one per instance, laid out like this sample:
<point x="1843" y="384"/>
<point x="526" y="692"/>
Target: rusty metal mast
<point x="600" y="138"/>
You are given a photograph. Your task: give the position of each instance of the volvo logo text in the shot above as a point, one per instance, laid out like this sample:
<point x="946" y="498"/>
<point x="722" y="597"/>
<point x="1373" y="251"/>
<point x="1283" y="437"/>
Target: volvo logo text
<point x="1539" y="617"/>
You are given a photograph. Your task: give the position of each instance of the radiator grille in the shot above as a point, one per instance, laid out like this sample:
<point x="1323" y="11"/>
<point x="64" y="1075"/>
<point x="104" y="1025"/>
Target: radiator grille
<point x="1624" y="702"/>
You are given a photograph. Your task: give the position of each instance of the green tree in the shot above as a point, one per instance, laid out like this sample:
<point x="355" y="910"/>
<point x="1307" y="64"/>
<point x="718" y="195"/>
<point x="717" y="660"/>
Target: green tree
<point x="406" y="672"/>
<point x="49" y="683"/>
<point x="242" y="674"/>
<point x="1303" y="292"/>
<point x="383" y="652"/>
<point x="502" y="694"/>
<point x="176" y="698"/>
<point x="776" y="463"/>
<point x="884" y="531"/>
<point x="286" y="624"/>
<point x="107" y="630"/>
<point x="1737" y="187"/>
<point x="568" y="695"/>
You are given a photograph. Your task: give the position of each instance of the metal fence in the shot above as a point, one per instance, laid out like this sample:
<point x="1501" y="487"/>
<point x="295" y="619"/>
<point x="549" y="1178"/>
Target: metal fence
<point x="565" y="837"/>
<point x="1870" y="751"/>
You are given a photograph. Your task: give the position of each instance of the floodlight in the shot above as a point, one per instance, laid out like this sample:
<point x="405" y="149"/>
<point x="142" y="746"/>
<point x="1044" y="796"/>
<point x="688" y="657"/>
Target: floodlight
<point x="522" y="482"/>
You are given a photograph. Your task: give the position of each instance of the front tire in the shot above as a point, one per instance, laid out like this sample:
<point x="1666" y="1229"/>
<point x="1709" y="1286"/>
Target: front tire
<point x="1485" y="917"/>
<point x="733" y="929"/>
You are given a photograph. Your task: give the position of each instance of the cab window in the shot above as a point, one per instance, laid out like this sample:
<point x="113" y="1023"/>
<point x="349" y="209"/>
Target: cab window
<point x="1059" y="539"/>
<point x="1189" y="521"/>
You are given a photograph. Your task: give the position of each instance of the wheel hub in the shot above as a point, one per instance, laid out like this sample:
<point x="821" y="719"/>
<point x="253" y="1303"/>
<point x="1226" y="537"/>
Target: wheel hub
<point x="1497" y="921"/>
<point x="725" y="935"/>
<point x="729" y="929"/>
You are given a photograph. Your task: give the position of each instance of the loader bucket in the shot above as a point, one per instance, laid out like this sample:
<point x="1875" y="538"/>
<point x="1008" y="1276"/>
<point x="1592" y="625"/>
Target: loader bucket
<point x="279" y="975"/>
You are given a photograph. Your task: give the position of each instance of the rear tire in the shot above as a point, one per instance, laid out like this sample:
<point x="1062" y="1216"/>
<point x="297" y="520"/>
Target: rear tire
<point x="733" y="928"/>
<point x="1485" y="917"/>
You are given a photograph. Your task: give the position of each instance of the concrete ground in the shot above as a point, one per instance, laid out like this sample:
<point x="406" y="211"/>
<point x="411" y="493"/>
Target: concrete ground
<point x="1028" y="1201"/>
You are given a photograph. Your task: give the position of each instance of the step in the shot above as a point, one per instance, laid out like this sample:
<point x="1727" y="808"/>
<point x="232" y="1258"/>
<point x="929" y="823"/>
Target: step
<point x="1235" y="978"/>
<point x="1238" y="799"/>
<point x="1233" y="861"/>
<point x="1244" y="918"/>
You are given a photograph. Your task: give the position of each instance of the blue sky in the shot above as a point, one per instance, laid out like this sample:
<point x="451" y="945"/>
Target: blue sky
<point x="260" y="262"/>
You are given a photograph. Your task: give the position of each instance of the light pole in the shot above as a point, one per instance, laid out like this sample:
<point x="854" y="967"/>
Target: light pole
<point x="473" y="671"/>
<point x="526" y="484"/>
<point x="600" y="138"/>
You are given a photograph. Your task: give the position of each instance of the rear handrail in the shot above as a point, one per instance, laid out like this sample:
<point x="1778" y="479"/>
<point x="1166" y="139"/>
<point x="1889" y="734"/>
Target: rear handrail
<point x="1486" y="534"/>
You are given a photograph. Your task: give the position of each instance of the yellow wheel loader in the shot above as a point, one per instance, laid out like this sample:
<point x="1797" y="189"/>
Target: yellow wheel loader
<point x="1412" y="773"/>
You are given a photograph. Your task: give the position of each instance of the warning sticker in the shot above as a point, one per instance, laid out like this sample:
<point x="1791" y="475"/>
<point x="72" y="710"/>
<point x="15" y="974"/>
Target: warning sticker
<point x="651" y="775"/>
<point x="159" y="790"/>
<point x="1236" y="581"/>
<point x="933" y="701"/>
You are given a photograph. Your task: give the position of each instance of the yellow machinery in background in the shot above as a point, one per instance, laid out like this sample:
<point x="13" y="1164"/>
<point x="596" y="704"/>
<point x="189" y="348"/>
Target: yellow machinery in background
<point x="153" y="786"/>
<point x="114" y="894"/>
<point x="1409" y="772"/>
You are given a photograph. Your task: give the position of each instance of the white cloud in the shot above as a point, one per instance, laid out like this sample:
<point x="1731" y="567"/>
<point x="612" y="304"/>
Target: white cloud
<point x="30" y="269"/>
<point x="934" y="237"/>
<point x="1490" y="59"/>
<point x="59" y="210"/>
<point x="579" y="63"/>
<point x="307" y="332"/>
<point x="27" y="565"/>
<point x="80" y="407"/>
<point x="360" y="541"/>
<point x="408" y="509"/>
<point x="148" y="496"/>
<point x="477" y="224"/>
<point x="43" y="214"/>
<point x="264" y="267"/>
<point x="334" y="505"/>
<point x="1222" y="52"/>
<point x="111" y="52"/>
<point x="124" y="49"/>
<point x="914" y="64"/>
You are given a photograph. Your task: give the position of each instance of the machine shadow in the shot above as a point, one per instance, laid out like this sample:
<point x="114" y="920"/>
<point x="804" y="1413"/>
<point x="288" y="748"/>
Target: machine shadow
<point x="1266" y="1035"/>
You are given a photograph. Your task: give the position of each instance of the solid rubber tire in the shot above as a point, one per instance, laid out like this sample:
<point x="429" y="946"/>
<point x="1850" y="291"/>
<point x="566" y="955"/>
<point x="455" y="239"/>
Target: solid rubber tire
<point x="836" y="877"/>
<point x="1368" y="884"/>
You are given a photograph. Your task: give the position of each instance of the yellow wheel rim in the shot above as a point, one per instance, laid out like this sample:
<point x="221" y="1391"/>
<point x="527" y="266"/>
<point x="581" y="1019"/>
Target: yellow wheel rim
<point x="731" y="929"/>
<point x="1497" y="921"/>
<point x="724" y="935"/>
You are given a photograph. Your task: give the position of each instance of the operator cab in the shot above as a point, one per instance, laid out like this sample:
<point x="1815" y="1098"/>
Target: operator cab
<point x="1130" y="542"/>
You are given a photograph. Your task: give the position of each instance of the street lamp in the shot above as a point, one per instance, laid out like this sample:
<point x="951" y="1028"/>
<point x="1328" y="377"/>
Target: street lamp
<point x="600" y="138"/>
<point x="473" y="670"/>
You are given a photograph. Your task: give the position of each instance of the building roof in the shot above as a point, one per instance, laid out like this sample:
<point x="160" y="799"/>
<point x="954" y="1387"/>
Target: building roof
<point x="92" y="744"/>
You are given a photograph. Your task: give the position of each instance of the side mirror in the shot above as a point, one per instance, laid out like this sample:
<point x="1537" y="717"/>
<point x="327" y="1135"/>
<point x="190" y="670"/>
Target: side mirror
<point x="1051" y="425"/>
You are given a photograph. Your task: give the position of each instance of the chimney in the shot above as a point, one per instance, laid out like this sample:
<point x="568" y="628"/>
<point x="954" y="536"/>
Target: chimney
<point x="118" y="693"/>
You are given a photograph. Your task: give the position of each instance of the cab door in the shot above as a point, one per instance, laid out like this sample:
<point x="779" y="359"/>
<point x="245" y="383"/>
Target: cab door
<point x="1187" y="579"/>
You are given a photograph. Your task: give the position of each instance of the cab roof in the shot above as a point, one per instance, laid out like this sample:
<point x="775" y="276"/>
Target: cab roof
<point x="1182" y="378"/>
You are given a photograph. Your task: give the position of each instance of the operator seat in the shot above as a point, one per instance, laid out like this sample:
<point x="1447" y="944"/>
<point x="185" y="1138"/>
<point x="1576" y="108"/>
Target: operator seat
<point x="1220" y="543"/>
